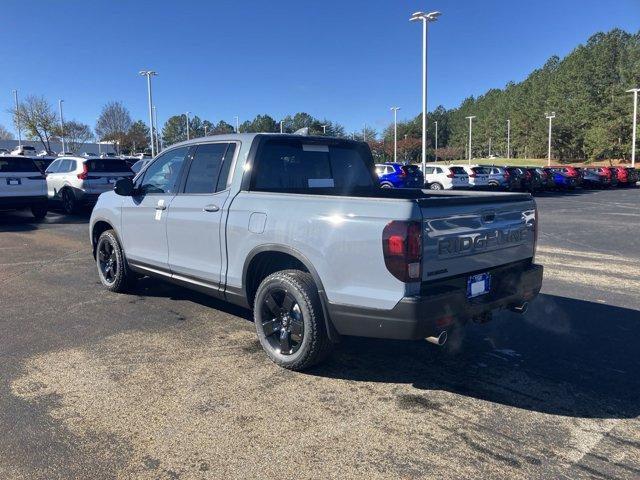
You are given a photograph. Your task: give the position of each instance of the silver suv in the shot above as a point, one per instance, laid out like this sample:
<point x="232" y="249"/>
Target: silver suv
<point x="22" y="185"/>
<point x="73" y="182"/>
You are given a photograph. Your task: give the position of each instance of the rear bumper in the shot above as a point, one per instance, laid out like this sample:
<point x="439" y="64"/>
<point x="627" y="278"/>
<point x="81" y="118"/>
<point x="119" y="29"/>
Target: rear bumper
<point x="14" y="203"/>
<point x="441" y="305"/>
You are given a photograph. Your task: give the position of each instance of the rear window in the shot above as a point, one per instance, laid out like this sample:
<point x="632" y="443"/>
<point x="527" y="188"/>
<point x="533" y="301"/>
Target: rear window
<point x="458" y="170"/>
<point x="107" y="166"/>
<point x="480" y="170"/>
<point x="412" y="169"/>
<point x="292" y="164"/>
<point x="17" y="165"/>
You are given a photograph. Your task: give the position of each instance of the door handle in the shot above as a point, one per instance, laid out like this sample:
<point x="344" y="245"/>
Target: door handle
<point x="211" y="208"/>
<point x="161" y="207"/>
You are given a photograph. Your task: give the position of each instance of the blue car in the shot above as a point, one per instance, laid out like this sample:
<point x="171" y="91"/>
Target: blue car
<point x="396" y="175"/>
<point x="562" y="180"/>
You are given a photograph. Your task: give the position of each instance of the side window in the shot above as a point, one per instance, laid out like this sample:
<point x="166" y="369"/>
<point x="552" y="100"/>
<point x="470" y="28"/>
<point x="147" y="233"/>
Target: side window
<point x="428" y="170"/>
<point x="67" y="166"/>
<point x="53" y="168"/>
<point x="223" y="178"/>
<point x="438" y="170"/>
<point x="163" y="174"/>
<point x="204" y="168"/>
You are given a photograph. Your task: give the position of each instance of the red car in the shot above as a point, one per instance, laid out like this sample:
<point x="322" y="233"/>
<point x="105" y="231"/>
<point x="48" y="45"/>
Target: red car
<point x="622" y="174"/>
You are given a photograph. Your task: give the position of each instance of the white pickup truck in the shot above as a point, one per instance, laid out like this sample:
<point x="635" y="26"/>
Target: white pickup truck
<point x="298" y="229"/>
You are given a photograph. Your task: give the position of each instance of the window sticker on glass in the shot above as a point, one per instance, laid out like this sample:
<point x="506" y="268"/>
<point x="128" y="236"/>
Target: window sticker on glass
<point x="315" y="148"/>
<point x="321" y="183"/>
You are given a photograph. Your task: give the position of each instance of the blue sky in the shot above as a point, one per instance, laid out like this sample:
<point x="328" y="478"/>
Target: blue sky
<point x="348" y="61"/>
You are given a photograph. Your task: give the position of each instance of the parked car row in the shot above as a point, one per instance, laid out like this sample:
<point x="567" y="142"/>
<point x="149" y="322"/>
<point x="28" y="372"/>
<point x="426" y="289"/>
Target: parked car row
<point x="66" y="182"/>
<point x="438" y="176"/>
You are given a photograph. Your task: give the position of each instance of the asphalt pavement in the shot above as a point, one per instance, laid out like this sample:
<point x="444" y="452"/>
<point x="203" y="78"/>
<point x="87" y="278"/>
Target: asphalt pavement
<point x="165" y="383"/>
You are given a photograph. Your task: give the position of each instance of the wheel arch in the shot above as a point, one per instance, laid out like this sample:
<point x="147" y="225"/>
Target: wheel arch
<point x="266" y="259"/>
<point x="97" y="229"/>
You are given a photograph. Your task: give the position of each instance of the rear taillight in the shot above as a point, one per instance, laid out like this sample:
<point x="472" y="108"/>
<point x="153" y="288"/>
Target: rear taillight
<point x="403" y="171"/>
<point x="506" y="174"/>
<point x="472" y="175"/>
<point x="527" y="174"/>
<point x="402" y="250"/>
<point x="85" y="171"/>
<point x="451" y="174"/>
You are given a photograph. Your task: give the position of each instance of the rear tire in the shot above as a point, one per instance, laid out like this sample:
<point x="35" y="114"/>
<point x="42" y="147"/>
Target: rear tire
<point x="386" y="185"/>
<point x="39" y="211"/>
<point x="435" y="186"/>
<point x="289" y="321"/>
<point x="69" y="203"/>
<point x="113" y="270"/>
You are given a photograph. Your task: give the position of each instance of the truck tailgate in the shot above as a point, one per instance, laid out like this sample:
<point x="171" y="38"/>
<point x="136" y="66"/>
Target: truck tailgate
<point x="462" y="235"/>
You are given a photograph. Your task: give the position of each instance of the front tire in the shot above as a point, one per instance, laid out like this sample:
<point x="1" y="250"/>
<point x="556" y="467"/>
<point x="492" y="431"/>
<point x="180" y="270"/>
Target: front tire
<point x="289" y="320"/>
<point x="386" y="185"/>
<point x="435" y="186"/>
<point x="113" y="271"/>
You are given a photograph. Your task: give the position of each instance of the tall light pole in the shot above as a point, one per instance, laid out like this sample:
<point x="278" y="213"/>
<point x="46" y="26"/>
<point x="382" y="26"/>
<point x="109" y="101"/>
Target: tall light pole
<point x="205" y="129"/>
<point x="155" y="123"/>
<point x="425" y="18"/>
<point x="237" y="123"/>
<point x="470" y="129"/>
<point x="550" y="117"/>
<point x="364" y="132"/>
<point x="98" y="138"/>
<point x="324" y="129"/>
<point x="281" y="128"/>
<point x="435" y="152"/>
<point x="187" y="115"/>
<point x="15" y="96"/>
<point x="149" y="74"/>
<point x="61" y="123"/>
<point x="508" y="139"/>
<point x="489" y="146"/>
<point x="633" y="133"/>
<point x="395" y="132"/>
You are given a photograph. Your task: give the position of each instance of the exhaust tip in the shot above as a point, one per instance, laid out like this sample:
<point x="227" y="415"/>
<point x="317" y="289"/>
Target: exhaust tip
<point x="440" y="340"/>
<point x="521" y="309"/>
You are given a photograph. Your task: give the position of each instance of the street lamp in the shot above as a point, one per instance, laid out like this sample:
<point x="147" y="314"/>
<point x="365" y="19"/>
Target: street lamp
<point x="470" y="129"/>
<point x="281" y="128"/>
<point x="364" y="132"/>
<point x="205" y="129"/>
<point x="187" y="115"/>
<point x="155" y="123"/>
<point x="633" y="133"/>
<point x="61" y="123"/>
<point x="149" y="74"/>
<point x="395" y="132"/>
<point x="550" y="117"/>
<point x="508" y="139"/>
<point x="425" y="18"/>
<point x="15" y="96"/>
<point x="237" y="123"/>
<point x="324" y="129"/>
<point x="435" y="152"/>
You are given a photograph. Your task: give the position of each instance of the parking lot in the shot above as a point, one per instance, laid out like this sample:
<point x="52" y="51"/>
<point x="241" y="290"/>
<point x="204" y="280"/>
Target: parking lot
<point x="167" y="383"/>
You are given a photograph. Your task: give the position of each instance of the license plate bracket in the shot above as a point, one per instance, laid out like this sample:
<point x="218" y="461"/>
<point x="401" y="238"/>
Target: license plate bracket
<point x="479" y="284"/>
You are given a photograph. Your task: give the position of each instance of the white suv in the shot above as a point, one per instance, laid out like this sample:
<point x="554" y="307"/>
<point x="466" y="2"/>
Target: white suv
<point x="478" y="175"/>
<point x="445" y="177"/>
<point x="78" y="181"/>
<point x="22" y="185"/>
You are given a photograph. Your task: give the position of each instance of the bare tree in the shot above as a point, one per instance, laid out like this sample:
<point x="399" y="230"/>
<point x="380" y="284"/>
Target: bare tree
<point x="36" y="116"/>
<point x="5" y="134"/>
<point x="114" y="123"/>
<point x="75" y="134"/>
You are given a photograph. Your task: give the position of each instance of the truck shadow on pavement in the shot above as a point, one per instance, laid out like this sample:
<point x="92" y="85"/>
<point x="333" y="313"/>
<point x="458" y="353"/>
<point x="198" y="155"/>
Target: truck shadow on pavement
<point x="565" y="357"/>
<point x="23" y="221"/>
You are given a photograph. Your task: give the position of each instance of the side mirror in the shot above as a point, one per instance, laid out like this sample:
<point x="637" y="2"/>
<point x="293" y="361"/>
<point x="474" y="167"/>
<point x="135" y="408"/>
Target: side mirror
<point x="124" y="187"/>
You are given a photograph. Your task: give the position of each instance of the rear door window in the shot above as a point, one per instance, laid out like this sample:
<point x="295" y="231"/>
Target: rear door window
<point x="428" y="170"/>
<point x="17" y="165"/>
<point x="300" y="165"/>
<point x="458" y="170"/>
<point x="205" y="168"/>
